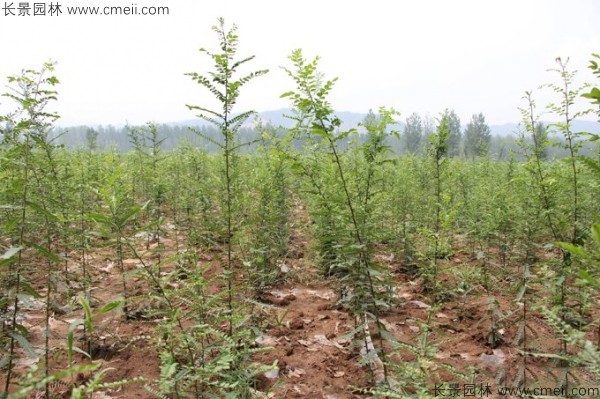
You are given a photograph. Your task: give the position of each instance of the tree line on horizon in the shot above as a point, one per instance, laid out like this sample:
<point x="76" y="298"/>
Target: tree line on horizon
<point x="473" y="140"/>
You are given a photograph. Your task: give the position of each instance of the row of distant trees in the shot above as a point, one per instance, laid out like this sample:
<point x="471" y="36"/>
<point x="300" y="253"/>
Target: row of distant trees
<point x="472" y="141"/>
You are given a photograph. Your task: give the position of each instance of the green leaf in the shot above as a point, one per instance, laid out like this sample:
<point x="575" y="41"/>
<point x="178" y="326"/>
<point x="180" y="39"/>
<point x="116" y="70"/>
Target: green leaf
<point x="389" y="337"/>
<point x="28" y="289"/>
<point x="81" y="351"/>
<point x="4" y="362"/>
<point x="594" y="94"/>
<point x="108" y="307"/>
<point x="73" y="325"/>
<point x="88" y="314"/>
<point x="575" y="250"/>
<point x="43" y="211"/>
<point x="24" y="344"/>
<point x="596" y="233"/>
<point x="521" y="293"/>
<point x="131" y="213"/>
<point x="45" y="253"/>
<point x="589" y="279"/>
<point x="99" y="218"/>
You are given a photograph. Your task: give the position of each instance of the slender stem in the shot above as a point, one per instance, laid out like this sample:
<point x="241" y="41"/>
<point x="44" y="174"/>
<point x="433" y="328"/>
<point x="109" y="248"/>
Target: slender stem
<point x="17" y="270"/>
<point x="359" y="239"/>
<point x="228" y="179"/>
<point x="537" y="153"/>
<point x="47" y="315"/>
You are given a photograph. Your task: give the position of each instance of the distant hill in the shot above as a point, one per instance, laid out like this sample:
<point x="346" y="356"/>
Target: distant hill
<point x="578" y="126"/>
<point x="277" y="118"/>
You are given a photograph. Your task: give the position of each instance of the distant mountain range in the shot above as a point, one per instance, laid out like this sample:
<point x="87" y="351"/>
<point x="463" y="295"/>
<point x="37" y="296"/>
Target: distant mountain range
<point x="352" y="119"/>
<point x="278" y="118"/>
<point x="577" y="126"/>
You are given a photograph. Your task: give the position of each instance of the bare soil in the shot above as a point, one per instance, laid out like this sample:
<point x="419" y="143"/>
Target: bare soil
<point x="307" y="329"/>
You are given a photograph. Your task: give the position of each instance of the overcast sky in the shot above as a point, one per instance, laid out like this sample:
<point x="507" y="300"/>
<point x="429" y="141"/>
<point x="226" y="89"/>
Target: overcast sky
<point x="416" y="56"/>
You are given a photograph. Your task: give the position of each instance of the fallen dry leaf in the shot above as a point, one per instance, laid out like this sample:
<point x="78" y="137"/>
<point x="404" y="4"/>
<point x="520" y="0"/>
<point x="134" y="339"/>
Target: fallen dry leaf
<point x="295" y="372"/>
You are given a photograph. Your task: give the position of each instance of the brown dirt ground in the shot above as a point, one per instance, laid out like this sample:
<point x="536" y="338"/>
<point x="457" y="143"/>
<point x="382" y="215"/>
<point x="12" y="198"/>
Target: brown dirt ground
<point x="306" y="328"/>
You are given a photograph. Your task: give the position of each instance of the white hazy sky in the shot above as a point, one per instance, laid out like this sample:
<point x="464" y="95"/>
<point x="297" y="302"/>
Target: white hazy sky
<point x="416" y="56"/>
